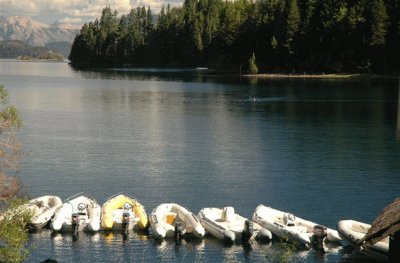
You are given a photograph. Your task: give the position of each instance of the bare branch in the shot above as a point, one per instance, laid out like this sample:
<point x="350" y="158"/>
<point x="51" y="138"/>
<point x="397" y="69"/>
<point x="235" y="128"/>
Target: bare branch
<point x="9" y="186"/>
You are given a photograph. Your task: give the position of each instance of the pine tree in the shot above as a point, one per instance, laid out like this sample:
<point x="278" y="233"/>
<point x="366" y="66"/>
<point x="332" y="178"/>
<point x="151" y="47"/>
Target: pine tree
<point x="122" y="47"/>
<point x="325" y="35"/>
<point x="274" y="43"/>
<point x="293" y="25"/>
<point x="379" y="22"/>
<point x="108" y="21"/>
<point x="253" y="69"/>
<point x="149" y="21"/>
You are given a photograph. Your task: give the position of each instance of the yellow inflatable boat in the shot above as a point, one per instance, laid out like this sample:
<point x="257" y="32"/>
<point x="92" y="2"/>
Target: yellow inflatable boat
<point x="123" y="212"/>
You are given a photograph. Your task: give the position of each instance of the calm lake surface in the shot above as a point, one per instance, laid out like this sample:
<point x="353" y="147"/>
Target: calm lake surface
<point x="324" y="150"/>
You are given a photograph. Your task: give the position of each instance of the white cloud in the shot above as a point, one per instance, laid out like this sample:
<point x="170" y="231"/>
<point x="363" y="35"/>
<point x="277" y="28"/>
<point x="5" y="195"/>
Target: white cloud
<point x="70" y="20"/>
<point x="76" y="11"/>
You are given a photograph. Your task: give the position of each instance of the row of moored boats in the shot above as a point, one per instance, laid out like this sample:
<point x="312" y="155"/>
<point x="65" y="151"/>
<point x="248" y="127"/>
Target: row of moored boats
<point x="123" y="212"/>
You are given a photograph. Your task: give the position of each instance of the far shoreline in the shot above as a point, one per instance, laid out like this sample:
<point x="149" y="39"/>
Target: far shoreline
<point x="317" y="76"/>
<point x="211" y="72"/>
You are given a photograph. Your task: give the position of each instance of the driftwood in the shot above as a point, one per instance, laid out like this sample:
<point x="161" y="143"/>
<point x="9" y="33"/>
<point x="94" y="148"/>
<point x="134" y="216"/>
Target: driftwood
<point x="386" y="224"/>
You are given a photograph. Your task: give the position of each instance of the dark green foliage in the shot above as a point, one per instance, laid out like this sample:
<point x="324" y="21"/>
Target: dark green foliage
<point x="287" y="36"/>
<point x="14" y="231"/>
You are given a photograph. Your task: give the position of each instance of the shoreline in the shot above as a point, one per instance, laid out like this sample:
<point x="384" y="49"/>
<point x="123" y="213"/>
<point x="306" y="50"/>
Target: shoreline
<point x="211" y="72"/>
<point x="318" y="76"/>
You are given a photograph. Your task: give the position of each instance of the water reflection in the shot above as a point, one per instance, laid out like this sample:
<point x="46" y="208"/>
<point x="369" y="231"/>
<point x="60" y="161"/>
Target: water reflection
<point x="398" y="115"/>
<point x="111" y="237"/>
<point x="307" y="147"/>
<point x="111" y="247"/>
<point x="166" y="250"/>
<point x="35" y="69"/>
<point x="146" y="74"/>
<point x="349" y="255"/>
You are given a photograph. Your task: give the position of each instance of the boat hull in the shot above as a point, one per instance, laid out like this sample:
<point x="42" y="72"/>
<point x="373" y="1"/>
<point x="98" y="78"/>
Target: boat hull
<point x="78" y="213"/>
<point x="123" y="212"/>
<point x="353" y="231"/>
<point x="42" y="210"/>
<point x="289" y="227"/>
<point x="164" y="218"/>
<point x="227" y="226"/>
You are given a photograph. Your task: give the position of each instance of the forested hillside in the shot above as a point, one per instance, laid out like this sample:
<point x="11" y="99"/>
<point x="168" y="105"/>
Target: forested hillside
<point x="18" y="49"/>
<point x="311" y="36"/>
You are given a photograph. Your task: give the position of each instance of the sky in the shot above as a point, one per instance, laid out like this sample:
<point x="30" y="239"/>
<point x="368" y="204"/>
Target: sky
<point x="74" y="12"/>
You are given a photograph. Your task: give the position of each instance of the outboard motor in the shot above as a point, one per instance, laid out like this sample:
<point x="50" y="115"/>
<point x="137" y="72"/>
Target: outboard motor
<point x="264" y="235"/>
<point x="126" y="217"/>
<point x="248" y="231"/>
<point x="289" y="219"/>
<point x="125" y="222"/>
<point x="75" y="222"/>
<point x="320" y="232"/>
<point x="178" y="233"/>
<point x="81" y="207"/>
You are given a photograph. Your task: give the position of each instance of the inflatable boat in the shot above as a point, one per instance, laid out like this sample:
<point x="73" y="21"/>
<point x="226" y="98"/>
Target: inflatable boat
<point x="78" y="213"/>
<point x="123" y="212"/>
<point x="294" y="229"/>
<point x="228" y="226"/>
<point x="173" y="220"/>
<point x="41" y="209"/>
<point x="353" y="231"/>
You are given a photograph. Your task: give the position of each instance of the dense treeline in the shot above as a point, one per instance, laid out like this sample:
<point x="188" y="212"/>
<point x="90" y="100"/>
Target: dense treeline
<point x="18" y="49"/>
<point x="284" y="35"/>
<point x="15" y="48"/>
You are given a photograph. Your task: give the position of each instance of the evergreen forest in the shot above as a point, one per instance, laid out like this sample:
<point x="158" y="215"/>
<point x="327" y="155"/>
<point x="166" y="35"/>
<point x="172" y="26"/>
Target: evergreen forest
<point x="285" y="36"/>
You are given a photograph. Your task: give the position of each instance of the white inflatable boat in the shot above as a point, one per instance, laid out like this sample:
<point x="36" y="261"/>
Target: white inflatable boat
<point x="227" y="226"/>
<point x="41" y="209"/>
<point x="78" y="213"/>
<point x="294" y="229"/>
<point x="353" y="231"/>
<point x="171" y="219"/>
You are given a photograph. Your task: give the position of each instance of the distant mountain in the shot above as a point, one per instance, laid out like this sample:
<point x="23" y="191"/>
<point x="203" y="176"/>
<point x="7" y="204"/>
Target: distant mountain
<point x="36" y="34"/>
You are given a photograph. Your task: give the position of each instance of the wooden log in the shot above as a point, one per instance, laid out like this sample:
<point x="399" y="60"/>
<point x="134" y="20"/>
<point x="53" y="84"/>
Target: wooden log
<point x="394" y="248"/>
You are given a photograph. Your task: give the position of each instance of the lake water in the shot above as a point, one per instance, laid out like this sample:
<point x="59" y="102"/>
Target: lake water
<point x="324" y="150"/>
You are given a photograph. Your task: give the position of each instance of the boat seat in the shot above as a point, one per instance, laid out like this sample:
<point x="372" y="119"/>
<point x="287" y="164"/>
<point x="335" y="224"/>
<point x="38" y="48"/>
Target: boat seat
<point x="120" y="212"/>
<point x="170" y="217"/>
<point x="228" y="214"/>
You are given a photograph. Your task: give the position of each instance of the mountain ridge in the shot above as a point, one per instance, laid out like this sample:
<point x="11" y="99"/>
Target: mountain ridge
<point x="34" y="33"/>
